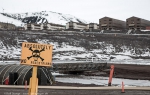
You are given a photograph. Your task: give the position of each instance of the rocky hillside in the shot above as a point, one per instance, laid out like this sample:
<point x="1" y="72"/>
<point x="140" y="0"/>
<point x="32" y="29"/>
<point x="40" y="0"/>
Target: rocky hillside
<point x="78" y="45"/>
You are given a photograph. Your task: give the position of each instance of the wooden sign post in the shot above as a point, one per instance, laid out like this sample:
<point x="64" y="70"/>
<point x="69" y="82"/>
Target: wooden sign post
<point x="36" y="55"/>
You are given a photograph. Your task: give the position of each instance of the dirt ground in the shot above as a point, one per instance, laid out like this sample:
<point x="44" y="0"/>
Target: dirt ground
<point x="4" y="91"/>
<point x="121" y="71"/>
<point x="127" y="71"/>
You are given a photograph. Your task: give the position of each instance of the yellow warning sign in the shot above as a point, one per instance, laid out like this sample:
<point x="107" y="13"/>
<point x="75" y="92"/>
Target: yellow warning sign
<point x="36" y="54"/>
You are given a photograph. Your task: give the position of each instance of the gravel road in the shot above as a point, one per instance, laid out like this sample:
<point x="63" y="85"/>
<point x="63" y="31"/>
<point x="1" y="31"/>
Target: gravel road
<point x="4" y="91"/>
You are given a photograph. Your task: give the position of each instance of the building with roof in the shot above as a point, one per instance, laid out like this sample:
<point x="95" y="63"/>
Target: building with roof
<point x="52" y="26"/>
<point x="107" y="23"/>
<point x="76" y="25"/>
<point x="136" y="23"/>
<point x="33" y="26"/>
<point x="45" y="26"/>
<point x="93" y="27"/>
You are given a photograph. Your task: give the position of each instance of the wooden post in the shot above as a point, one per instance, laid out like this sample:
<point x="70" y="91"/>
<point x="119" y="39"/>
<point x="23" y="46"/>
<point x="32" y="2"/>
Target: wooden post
<point x="27" y="58"/>
<point x="33" y="88"/>
<point x="111" y="75"/>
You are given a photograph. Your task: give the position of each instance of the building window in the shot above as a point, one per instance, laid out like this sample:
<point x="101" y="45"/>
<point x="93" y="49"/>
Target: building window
<point x="110" y="19"/>
<point x="138" y="19"/>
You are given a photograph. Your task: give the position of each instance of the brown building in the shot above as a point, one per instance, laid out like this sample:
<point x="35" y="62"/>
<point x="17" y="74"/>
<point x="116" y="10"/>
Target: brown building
<point x="7" y="26"/>
<point x="136" y="23"/>
<point x="107" y="23"/>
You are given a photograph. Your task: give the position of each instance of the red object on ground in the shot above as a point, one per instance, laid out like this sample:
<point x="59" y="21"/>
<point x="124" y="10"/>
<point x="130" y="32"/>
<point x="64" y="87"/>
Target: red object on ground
<point x="122" y="88"/>
<point x="7" y="81"/>
<point x="111" y="75"/>
<point x="148" y="28"/>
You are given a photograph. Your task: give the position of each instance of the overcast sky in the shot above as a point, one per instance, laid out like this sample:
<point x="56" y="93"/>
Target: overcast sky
<point x="90" y="10"/>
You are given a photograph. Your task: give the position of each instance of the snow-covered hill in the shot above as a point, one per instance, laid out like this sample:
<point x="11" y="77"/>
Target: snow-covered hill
<point x="7" y="19"/>
<point x="39" y="17"/>
<point x="79" y="45"/>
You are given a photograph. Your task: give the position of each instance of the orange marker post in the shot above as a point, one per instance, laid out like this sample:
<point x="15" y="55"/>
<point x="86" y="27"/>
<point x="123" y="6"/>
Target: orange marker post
<point x="122" y="88"/>
<point x="111" y="75"/>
